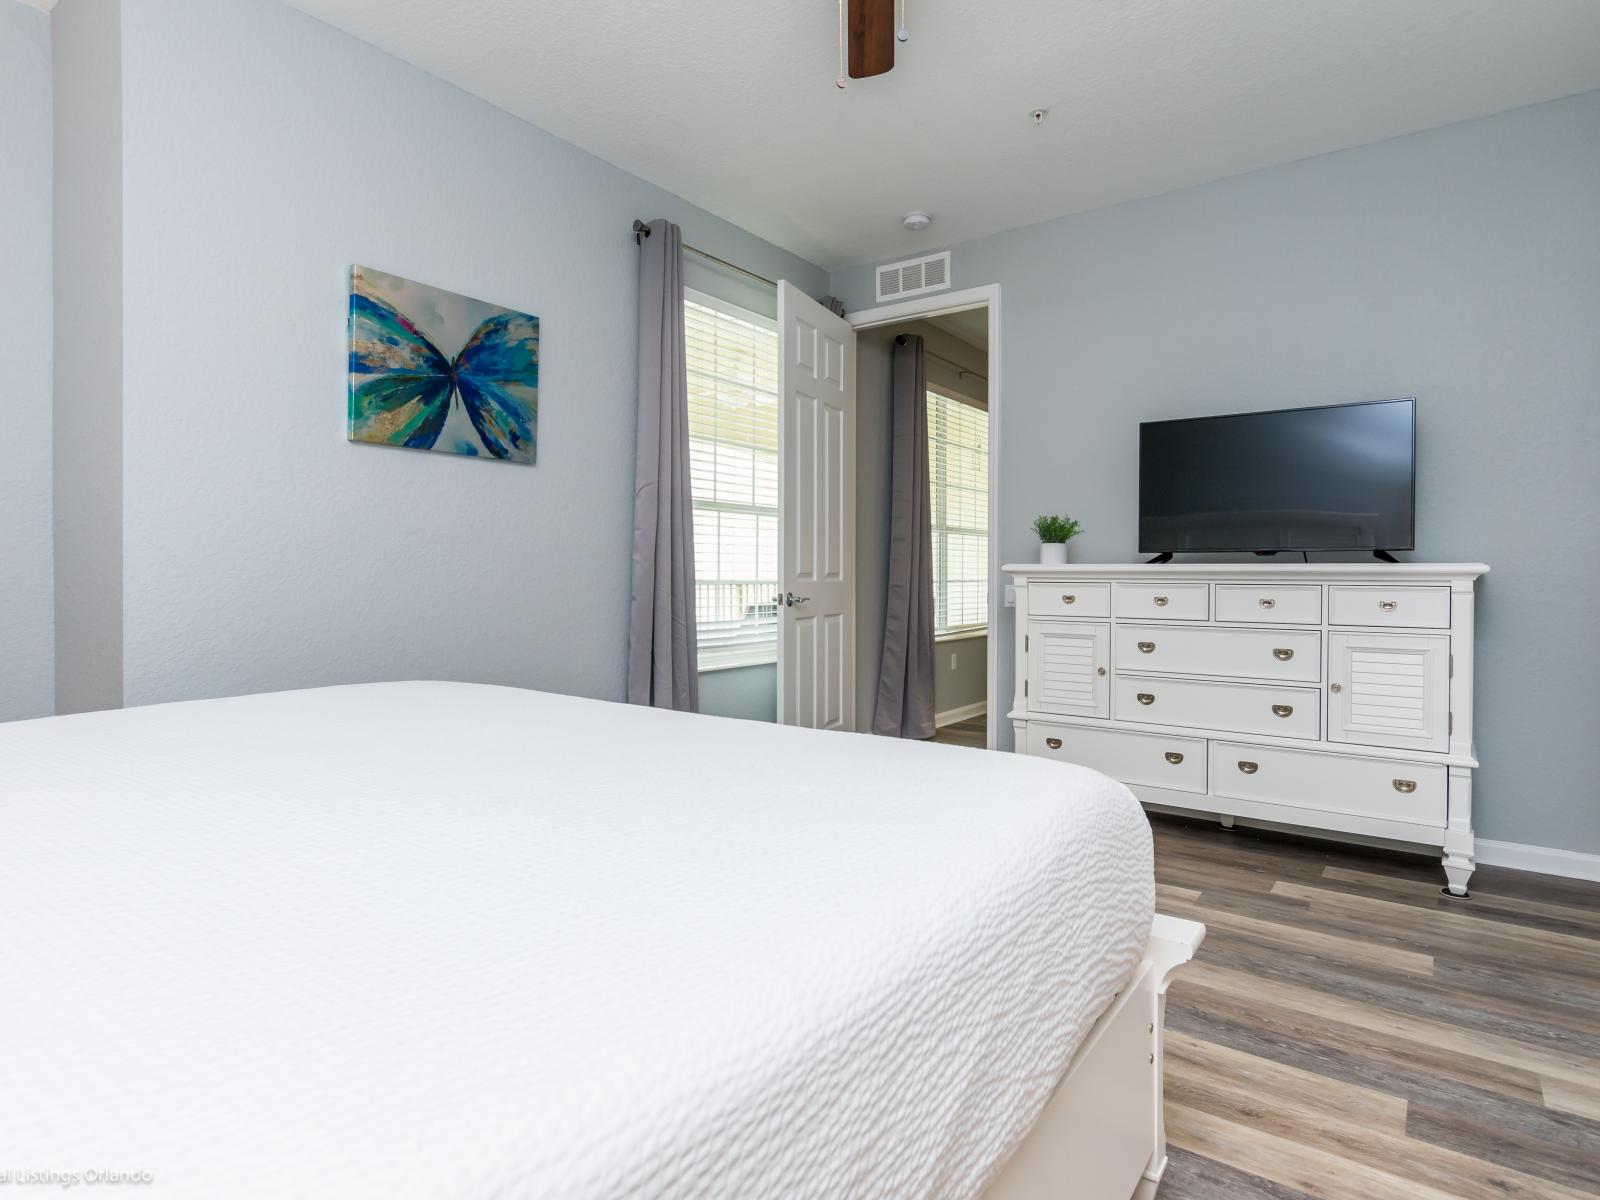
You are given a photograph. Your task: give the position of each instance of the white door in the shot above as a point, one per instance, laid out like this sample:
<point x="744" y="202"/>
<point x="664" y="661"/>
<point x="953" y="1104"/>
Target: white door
<point x="817" y="504"/>
<point x="1389" y="689"/>
<point x="1067" y="668"/>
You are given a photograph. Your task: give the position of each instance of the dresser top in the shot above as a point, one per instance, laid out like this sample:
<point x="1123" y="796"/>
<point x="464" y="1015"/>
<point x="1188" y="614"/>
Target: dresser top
<point x="1374" y="572"/>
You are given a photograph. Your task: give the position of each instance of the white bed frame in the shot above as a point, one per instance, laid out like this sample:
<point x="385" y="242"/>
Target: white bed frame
<point x="1102" y="1136"/>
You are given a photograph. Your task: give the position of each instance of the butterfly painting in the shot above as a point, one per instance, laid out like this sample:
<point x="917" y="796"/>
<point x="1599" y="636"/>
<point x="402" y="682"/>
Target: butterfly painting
<point x="406" y="391"/>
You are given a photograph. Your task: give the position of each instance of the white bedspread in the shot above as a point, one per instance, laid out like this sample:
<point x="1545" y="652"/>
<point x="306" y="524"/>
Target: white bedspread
<point x="428" y="939"/>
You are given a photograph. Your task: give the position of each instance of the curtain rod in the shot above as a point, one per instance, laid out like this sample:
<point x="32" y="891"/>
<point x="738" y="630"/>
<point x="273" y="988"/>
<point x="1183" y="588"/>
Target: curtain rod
<point x="641" y="230"/>
<point x="955" y="366"/>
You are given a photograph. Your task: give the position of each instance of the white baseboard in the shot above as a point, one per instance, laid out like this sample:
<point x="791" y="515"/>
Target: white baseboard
<point x="1545" y="860"/>
<point x="965" y="713"/>
<point x="1541" y="860"/>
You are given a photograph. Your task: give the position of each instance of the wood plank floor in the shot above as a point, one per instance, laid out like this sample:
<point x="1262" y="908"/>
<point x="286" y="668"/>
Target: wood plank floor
<point x="973" y="732"/>
<point x="1347" y="1033"/>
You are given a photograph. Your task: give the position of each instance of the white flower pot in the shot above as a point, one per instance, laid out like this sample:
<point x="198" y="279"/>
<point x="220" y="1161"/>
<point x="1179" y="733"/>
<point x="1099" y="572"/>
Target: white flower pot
<point x="1053" y="554"/>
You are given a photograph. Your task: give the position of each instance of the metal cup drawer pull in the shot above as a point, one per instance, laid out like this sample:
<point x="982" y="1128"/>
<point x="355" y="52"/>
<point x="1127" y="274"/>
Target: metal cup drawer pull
<point x="1068" y="598"/>
<point x="1174" y="757"/>
<point x="1145" y="698"/>
<point x="1161" y="601"/>
<point x="1147" y="647"/>
<point x="1266" y="603"/>
<point x="1405" y="786"/>
<point x="1053" y="743"/>
<point x="1283" y="654"/>
<point x="1388" y="605"/>
<point x="1248" y="767"/>
<point x="1283" y="710"/>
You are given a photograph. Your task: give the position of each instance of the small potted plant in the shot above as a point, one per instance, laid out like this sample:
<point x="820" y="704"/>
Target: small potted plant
<point x="1054" y="534"/>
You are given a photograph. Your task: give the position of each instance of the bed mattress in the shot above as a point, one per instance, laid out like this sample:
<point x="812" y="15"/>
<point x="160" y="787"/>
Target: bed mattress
<point x="432" y="939"/>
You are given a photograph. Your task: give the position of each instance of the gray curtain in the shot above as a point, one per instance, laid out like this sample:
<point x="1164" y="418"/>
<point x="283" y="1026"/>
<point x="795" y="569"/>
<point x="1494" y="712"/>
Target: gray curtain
<point x="661" y="636"/>
<point x="905" y="679"/>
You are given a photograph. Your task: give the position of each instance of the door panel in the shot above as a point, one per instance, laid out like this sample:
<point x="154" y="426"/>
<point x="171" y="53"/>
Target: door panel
<point x="1067" y="668"/>
<point x="1389" y="690"/>
<point x="816" y="489"/>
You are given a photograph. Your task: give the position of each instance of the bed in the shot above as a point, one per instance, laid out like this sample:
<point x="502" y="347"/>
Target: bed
<point x="424" y="939"/>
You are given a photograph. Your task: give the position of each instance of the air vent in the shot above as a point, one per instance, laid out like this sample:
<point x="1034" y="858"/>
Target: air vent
<point x="913" y="277"/>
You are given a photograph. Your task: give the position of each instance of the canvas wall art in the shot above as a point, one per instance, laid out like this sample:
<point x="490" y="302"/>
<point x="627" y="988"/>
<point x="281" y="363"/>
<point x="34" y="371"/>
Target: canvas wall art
<point x="432" y="370"/>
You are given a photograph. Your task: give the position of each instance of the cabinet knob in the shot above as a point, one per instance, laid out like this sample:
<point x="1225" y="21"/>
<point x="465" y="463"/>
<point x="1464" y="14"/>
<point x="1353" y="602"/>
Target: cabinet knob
<point x="1147" y="647"/>
<point x="1068" y="598"/>
<point x="1283" y="654"/>
<point x="1174" y="757"/>
<point x="1099" y="670"/>
<point x="1405" y="786"/>
<point x="1248" y="767"/>
<point x="1282" y="710"/>
<point x="1161" y="601"/>
<point x="1388" y="605"/>
<point x="1145" y="698"/>
<point x="1266" y="603"/>
<point x="1336" y="688"/>
<point x="1053" y="743"/>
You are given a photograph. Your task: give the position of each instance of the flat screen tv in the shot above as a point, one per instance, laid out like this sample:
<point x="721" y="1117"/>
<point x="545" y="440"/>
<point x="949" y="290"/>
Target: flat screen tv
<point x="1341" y="477"/>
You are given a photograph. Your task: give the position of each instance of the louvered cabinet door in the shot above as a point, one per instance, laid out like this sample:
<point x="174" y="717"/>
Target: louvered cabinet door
<point x="1389" y="690"/>
<point x="1067" y="668"/>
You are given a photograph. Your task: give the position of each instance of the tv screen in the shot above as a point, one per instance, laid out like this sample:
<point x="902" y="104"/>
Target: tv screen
<point x="1335" y="478"/>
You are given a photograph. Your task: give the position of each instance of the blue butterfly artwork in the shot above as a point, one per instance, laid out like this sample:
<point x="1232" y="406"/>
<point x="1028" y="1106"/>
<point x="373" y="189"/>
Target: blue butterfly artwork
<point x="404" y="391"/>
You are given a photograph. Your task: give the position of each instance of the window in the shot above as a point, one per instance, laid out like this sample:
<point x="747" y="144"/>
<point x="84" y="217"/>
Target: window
<point x="732" y="361"/>
<point x="958" y="479"/>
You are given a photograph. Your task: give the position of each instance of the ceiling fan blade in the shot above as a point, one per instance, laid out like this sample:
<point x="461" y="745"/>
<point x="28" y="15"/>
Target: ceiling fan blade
<point x="871" y="30"/>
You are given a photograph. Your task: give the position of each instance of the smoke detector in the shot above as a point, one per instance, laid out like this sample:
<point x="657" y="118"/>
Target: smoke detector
<point x="916" y="221"/>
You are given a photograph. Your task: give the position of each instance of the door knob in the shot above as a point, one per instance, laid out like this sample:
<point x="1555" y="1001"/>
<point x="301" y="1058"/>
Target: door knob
<point x="791" y="599"/>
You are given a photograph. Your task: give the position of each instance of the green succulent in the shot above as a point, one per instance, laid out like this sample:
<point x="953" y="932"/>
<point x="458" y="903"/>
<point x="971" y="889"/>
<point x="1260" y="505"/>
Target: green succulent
<point x="1056" y="529"/>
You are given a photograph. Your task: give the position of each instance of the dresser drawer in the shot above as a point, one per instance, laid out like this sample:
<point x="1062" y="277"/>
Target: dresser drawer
<point x="1365" y="787"/>
<point x="1236" y="707"/>
<point x="1405" y="607"/>
<point x="1201" y="650"/>
<point x="1067" y="598"/>
<point x="1294" y="604"/>
<point x="1164" y="602"/>
<point x="1150" y="759"/>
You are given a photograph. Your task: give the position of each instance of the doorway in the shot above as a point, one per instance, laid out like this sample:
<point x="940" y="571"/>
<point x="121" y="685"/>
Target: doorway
<point x="960" y="332"/>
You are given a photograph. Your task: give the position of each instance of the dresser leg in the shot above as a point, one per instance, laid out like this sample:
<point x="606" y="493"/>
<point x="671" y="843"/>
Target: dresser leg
<point x="1459" y="843"/>
<point x="1225" y="821"/>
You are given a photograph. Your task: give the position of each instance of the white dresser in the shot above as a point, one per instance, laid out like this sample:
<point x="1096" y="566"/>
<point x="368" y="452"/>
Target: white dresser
<point x="1325" y="696"/>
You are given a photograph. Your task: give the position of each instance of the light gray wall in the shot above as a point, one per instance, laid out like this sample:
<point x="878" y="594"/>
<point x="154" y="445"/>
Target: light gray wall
<point x="1460" y="266"/>
<point x="747" y="692"/>
<point x="265" y="153"/>
<point x="27" y="639"/>
<point x="960" y="673"/>
<point x="86" y="37"/>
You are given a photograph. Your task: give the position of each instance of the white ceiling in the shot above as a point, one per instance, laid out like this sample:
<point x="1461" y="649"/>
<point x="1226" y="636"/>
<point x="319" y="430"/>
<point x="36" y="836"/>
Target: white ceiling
<point x="732" y="103"/>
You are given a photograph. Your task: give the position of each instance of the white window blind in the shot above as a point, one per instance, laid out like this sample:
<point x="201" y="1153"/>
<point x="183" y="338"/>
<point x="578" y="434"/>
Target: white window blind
<point x="732" y="365"/>
<point x="958" y="478"/>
